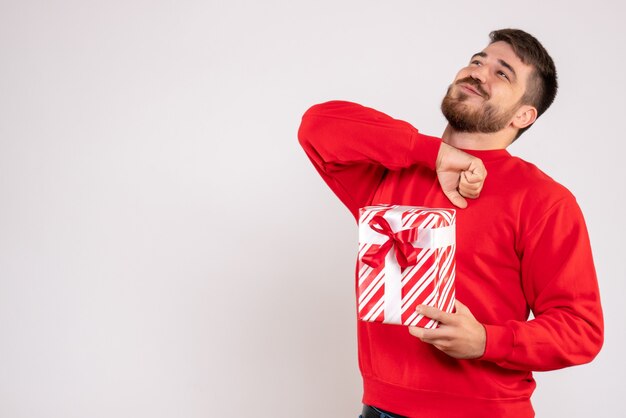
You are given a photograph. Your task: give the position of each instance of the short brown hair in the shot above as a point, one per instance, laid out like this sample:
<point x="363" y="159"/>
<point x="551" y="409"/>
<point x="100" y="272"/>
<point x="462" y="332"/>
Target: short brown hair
<point x="542" y="83"/>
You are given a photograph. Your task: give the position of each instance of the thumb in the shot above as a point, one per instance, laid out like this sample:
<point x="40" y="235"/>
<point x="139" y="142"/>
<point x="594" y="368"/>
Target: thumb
<point x="455" y="197"/>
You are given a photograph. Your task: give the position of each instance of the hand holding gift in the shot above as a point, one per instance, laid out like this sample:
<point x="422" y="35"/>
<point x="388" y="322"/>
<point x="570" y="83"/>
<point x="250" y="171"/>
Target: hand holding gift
<point x="459" y="334"/>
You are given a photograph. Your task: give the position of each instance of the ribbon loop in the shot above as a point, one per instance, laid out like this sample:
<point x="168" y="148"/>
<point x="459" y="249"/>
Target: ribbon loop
<point x="406" y="254"/>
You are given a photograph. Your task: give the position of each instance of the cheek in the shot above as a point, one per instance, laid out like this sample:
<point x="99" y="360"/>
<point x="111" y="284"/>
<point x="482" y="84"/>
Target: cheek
<point x="503" y="96"/>
<point x="463" y="73"/>
<point x="505" y="107"/>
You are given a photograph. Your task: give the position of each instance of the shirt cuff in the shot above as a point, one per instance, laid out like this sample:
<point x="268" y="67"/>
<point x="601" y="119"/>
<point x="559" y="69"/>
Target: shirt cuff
<point x="424" y="150"/>
<point x="499" y="345"/>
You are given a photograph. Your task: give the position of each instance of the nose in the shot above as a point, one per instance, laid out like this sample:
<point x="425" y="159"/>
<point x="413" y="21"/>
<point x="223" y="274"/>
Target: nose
<point x="479" y="73"/>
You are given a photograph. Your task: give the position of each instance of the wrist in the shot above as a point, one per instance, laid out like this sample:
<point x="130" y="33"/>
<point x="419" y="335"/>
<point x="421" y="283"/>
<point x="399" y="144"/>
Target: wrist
<point x="499" y="343"/>
<point x="424" y="150"/>
<point x="443" y="149"/>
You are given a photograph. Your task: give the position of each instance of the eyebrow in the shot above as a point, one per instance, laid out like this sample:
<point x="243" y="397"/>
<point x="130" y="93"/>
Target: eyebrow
<point x="502" y="62"/>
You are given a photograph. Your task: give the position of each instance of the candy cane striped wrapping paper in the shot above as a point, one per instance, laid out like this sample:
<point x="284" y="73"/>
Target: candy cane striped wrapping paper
<point x="389" y="292"/>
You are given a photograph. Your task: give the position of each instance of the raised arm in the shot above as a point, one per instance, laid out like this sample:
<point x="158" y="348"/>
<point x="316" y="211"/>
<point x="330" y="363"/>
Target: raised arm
<point x="352" y="146"/>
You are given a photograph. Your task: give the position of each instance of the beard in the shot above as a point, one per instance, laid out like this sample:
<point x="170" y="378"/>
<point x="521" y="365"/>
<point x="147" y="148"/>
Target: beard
<point x="462" y="117"/>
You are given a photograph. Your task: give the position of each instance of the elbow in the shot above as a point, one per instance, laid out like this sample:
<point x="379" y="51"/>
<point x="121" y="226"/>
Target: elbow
<point x="307" y="127"/>
<point x="311" y="125"/>
<point x="596" y="341"/>
<point x="321" y="123"/>
<point x="594" y="334"/>
<point x="590" y="344"/>
<point x="578" y="345"/>
<point x="311" y="135"/>
<point x="304" y="131"/>
<point x="332" y="108"/>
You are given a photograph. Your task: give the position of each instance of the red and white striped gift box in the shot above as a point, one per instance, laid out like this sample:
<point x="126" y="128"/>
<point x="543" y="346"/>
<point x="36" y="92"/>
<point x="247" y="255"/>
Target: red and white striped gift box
<point x="406" y="258"/>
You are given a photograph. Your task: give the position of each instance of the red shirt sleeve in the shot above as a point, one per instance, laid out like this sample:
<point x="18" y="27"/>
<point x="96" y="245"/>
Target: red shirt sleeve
<point x="352" y="146"/>
<point x="559" y="281"/>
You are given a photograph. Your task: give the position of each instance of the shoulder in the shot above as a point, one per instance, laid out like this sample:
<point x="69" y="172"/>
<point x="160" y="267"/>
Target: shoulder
<point x="535" y="186"/>
<point x="539" y="201"/>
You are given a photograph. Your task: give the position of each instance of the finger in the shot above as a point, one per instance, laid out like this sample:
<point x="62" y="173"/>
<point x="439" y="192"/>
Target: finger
<point x="455" y="197"/>
<point x="425" y="334"/>
<point x="436" y="314"/>
<point x="469" y="188"/>
<point x="467" y="183"/>
<point x="469" y="191"/>
<point x="469" y="194"/>
<point x="478" y="170"/>
<point x="475" y="176"/>
<point x="416" y="332"/>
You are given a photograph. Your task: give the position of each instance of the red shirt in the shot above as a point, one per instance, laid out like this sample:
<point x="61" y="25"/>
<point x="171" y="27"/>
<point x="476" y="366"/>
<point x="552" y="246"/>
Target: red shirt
<point x="522" y="246"/>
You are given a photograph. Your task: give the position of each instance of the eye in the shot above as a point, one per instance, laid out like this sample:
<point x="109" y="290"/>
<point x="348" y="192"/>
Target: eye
<point x="476" y="62"/>
<point x="503" y="74"/>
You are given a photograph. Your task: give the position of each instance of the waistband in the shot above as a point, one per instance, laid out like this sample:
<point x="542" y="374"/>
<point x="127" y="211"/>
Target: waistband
<point x="373" y="412"/>
<point x="418" y="403"/>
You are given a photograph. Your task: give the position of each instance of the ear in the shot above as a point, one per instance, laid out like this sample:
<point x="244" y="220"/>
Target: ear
<point x="524" y="116"/>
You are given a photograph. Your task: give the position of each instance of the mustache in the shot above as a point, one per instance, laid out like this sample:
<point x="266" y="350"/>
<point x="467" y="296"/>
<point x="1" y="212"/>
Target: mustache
<point x="475" y="84"/>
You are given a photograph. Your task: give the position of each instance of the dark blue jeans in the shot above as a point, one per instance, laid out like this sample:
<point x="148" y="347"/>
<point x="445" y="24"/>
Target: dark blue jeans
<point x="373" y="412"/>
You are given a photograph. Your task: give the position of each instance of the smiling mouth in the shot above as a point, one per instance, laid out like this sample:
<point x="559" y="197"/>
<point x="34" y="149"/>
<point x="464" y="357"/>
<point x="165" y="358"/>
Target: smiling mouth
<point x="470" y="89"/>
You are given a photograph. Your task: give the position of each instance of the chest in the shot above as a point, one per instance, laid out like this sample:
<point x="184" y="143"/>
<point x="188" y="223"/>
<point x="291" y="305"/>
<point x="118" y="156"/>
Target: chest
<point x="486" y="229"/>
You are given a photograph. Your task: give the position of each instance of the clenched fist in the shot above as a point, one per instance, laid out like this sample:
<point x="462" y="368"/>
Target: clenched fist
<point x="460" y="175"/>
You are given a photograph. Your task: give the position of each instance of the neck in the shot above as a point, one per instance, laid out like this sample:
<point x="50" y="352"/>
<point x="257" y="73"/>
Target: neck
<point x="477" y="140"/>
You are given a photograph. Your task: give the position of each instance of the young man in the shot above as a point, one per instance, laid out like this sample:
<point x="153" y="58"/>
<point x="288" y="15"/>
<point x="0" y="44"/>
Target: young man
<point x="522" y="243"/>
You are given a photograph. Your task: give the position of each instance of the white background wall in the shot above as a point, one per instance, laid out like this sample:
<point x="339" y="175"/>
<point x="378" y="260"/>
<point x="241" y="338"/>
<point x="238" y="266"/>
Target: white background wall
<point x="166" y="248"/>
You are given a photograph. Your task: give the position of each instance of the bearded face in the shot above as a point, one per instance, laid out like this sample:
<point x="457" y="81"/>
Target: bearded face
<point x="464" y="116"/>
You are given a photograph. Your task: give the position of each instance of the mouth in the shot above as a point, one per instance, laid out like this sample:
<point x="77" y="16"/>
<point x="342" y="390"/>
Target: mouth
<point x="470" y="89"/>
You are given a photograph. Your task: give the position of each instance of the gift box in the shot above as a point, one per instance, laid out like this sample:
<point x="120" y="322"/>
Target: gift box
<point x="406" y="258"/>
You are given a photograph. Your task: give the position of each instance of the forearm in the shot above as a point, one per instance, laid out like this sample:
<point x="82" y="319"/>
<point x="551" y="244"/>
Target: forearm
<point x="555" y="340"/>
<point x="340" y="133"/>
